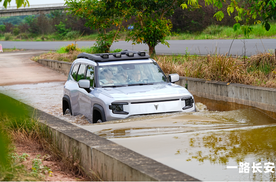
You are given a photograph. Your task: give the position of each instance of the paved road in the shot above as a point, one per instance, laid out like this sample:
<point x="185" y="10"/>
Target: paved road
<point x="17" y="68"/>
<point x="199" y="47"/>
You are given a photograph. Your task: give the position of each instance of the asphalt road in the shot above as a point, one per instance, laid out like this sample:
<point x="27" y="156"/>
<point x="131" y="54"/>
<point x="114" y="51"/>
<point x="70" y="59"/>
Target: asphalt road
<point x="200" y="47"/>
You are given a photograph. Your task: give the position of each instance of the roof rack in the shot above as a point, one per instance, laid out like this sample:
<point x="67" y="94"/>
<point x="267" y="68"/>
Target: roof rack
<point x="117" y="56"/>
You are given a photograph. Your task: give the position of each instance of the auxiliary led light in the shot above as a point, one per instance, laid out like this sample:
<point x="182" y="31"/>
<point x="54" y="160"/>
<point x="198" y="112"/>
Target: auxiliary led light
<point x="140" y="53"/>
<point x="105" y="56"/>
<point x="117" y="55"/>
<point x="130" y="54"/>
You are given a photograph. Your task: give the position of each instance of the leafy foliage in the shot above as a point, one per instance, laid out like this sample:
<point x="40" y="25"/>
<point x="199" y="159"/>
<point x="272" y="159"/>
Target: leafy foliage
<point x="61" y="29"/>
<point x="71" y="47"/>
<point x="102" y="16"/>
<point x="19" y="3"/>
<point x="248" y="10"/>
<point x="73" y="34"/>
<point x="151" y="24"/>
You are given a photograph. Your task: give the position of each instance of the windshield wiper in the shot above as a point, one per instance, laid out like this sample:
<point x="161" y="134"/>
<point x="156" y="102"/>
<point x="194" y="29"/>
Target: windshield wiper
<point x="114" y="86"/>
<point x="135" y="84"/>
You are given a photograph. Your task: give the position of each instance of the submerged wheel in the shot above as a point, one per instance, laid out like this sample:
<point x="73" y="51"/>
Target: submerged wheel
<point x="66" y="108"/>
<point x="99" y="121"/>
<point x="67" y="111"/>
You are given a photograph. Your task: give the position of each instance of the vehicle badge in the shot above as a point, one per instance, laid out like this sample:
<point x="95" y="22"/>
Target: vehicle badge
<point x="156" y="106"/>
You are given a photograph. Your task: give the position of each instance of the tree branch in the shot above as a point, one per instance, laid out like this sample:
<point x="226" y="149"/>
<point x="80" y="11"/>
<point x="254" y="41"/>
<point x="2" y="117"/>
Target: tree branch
<point x="116" y="33"/>
<point x="166" y="10"/>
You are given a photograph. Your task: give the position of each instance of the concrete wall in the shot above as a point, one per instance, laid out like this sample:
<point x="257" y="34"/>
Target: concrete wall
<point x="103" y="158"/>
<point x="60" y="66"/>
<point x="259" y="97"/>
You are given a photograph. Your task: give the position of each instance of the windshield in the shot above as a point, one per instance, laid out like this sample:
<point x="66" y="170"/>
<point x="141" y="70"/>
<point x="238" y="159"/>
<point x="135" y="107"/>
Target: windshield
<point x="130" y="74"/>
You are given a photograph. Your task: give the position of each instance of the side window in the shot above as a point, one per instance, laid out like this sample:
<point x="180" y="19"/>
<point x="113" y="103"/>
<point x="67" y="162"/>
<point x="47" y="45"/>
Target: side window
<point x="81" y="73"/>
<point x="90" y="75"/>
<point x="74" y="71"/>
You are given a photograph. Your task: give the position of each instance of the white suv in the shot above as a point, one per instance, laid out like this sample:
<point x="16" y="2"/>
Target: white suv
<point x="110" y="86"/>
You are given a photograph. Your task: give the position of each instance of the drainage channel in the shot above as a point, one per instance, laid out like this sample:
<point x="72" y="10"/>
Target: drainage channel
<point x="223" y="141"/>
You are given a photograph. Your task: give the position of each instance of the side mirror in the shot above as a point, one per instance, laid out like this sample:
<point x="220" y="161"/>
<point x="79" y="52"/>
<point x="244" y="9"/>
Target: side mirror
<point x="173" y="77"/>
<point x="84" y="84"/>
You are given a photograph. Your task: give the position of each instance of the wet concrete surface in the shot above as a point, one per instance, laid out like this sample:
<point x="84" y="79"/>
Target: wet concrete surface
<point x="201" y="144"/>
<point x="17" y="68"/>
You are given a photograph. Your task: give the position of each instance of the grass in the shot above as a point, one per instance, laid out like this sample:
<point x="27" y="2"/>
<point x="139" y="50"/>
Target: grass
<point x="15" y="124"/>
<point x="224" y="32"/>
<point x="12" y="49"/>
<point x="49" y="37"/>
<point x="258" y="70"/>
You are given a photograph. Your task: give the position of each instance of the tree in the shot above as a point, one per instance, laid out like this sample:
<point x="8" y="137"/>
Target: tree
<point x="261" y="11"/>
<point x="106" y="16"/>
<point x="19" y="3"/>
<point x="152" y="23"/>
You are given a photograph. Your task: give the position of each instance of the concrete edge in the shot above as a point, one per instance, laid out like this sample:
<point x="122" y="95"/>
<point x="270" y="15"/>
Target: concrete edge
<point x="258" y="97"/>
<point x="103" y="158"/>
<point x="225" y="83"/>
<point x="60" y="66"/>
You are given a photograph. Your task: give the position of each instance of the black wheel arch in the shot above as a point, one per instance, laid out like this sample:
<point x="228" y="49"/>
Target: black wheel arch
<point x="100" y="109"/>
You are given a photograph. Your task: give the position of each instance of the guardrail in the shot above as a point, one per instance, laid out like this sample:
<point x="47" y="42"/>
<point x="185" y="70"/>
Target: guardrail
<point x="34" y="6"/>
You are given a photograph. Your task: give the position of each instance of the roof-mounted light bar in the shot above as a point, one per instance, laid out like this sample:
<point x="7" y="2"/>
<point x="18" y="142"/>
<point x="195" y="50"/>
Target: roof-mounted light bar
<point x="117" y="55"/>
<point x="124" y="55"/>
<point x="141" y="53"/>
<point x="105" y="56"/>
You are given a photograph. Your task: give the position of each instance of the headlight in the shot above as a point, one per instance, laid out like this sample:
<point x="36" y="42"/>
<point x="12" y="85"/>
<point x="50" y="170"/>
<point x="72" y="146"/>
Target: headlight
<point x="118" y="107"/>
<point x="188" y="102"/>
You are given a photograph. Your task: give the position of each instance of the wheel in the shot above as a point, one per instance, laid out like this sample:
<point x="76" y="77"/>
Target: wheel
<point x="66" y="108"/>
<point x="67" y="112"/>
<point x="99" y="121"/>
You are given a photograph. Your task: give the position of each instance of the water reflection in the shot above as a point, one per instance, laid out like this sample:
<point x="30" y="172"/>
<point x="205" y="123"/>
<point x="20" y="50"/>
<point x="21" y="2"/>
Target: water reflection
<point x="252" y="145"/>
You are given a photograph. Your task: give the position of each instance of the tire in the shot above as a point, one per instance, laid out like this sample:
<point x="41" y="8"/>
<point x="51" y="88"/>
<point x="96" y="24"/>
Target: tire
<point x="98" y="114"/>
<point x="67" y="111"/>
<point x="66" y="106"/>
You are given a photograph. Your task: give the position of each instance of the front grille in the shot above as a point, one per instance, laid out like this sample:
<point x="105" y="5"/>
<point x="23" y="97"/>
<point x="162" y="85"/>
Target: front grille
<point x="154" y="101"/>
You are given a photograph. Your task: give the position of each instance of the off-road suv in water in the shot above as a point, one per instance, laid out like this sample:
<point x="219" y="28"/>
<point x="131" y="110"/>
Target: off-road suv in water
<point x="110" y="86"/>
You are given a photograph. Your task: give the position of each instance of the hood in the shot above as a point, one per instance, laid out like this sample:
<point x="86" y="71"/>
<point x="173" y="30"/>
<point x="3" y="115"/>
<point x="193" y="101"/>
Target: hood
<point x="146" y="92"/>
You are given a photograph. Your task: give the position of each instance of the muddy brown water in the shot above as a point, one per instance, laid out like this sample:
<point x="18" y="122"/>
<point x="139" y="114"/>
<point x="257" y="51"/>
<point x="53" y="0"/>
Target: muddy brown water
<point x="202" y="144"/>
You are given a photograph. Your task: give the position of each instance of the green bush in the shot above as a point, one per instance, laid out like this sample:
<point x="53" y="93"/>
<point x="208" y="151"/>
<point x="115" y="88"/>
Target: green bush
<point x="71" y="47"/>
<point x="87" y="49"/>
<point x="213" y="30"/>
<point x="16" y="31"/>
<point x="116" y="50"/>
<point x="7" y="36"/>
<point x="61" y="29"/>
<point x="72" y="35"/>
<point x="61" y="50"/>
<point x="2" y="28"/>
<point x="23" y="36"/>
